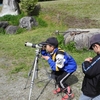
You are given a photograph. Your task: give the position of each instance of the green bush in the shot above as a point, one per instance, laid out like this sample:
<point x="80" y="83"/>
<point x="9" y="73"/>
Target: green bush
<point x="71" y="46"/>
<point x="60" y="39"/>
<point x="12" y="19"/>
<point x="68" y="47"/>
<point x="28" y="6"/>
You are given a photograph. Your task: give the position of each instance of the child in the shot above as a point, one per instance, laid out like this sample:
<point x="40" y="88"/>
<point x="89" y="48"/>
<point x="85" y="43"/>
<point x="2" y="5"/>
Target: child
<point x="62" y="65"/>
<point x="91" y="69"/>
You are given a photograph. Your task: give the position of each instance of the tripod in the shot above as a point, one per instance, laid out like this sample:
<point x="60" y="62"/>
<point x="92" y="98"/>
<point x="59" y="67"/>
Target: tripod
<point x="34" y="72"/>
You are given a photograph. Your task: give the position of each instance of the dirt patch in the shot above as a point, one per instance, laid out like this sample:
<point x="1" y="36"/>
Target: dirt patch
<point x="59" y="17"/>
<point x="12" y="86"/>
<point x="80" y="22"/>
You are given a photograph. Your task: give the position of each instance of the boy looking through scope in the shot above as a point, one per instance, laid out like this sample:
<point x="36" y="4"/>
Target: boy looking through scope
<point x="62" y="65"/>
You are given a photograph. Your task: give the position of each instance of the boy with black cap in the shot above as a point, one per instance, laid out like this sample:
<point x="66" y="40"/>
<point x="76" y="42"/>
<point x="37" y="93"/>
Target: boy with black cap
<point x="62" y="65"/>
<point x="91" y="69"/>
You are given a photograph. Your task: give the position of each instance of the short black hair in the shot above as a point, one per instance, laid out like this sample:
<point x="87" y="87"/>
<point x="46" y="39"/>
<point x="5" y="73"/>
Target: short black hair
<point x="93" y="45"/>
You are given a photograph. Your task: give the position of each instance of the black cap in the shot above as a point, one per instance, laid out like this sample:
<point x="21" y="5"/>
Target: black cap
<point x="94" y="39"/>
<point x="51" y="41"/>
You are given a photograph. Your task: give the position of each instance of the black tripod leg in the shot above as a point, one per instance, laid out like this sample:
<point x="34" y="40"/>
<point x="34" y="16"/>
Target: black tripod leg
<point x="26" y="83"/>
<point x="29" y="74"/>
<point x="43" y="89"/>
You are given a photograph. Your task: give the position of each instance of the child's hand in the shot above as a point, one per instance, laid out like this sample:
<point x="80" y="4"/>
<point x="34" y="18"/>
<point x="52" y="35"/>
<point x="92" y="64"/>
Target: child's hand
<point x="46" y="57"/>
<point x="89" y="59"/>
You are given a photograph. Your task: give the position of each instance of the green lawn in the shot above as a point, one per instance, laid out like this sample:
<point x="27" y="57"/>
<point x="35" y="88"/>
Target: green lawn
<point x="78" y="8"/>
<point x="12" y="48"/>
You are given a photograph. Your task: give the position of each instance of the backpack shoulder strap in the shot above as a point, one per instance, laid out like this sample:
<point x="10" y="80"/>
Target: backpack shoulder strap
<point x="60" y="51"/>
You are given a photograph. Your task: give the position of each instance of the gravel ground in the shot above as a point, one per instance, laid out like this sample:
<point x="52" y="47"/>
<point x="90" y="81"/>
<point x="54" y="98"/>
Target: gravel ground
<point x="12" y="87"/>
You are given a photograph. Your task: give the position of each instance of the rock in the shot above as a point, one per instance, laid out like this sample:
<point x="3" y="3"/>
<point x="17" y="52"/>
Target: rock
<point x="80" y="37"/>
<point x="3" y="24"/>
<point x="27" y="22"/>
<point x="10" y="7"/>
<point x="11" y="29"/>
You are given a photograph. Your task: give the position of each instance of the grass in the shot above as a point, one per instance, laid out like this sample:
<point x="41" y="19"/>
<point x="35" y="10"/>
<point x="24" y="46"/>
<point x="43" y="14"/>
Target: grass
<point x="12" y="47"/>
<point x="69" y="12"/>
<point x="78" y="8"/>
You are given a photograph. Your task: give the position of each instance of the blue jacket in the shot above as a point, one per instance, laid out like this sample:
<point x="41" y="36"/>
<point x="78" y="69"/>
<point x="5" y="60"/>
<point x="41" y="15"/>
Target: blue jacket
<point x="60" y="61"/>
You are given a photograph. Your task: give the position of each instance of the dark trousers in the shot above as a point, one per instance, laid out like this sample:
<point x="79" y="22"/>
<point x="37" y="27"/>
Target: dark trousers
<point x="60" y="78"/>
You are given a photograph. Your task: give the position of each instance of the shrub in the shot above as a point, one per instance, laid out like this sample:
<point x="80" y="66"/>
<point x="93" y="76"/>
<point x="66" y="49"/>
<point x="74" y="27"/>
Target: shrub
<point x="71" y="46"/>
<point x="60" y="39"/>
<point x="68" y="47"/>
<point x="27" y="6"/>
<point x="12" y="19"/>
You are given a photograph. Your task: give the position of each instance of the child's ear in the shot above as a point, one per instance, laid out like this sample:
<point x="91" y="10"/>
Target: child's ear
<point x="97" y="46"/>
